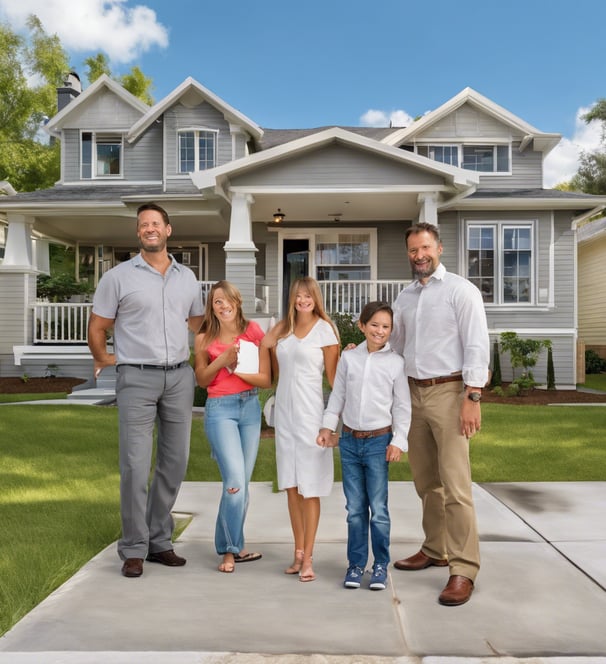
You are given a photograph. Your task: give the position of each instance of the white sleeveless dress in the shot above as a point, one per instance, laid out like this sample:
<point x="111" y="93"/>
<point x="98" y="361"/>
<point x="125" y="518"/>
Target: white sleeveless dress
<point x="300" y="461"/>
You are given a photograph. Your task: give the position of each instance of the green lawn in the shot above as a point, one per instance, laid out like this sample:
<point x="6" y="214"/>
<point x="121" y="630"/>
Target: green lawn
<point x="59" y="478"/>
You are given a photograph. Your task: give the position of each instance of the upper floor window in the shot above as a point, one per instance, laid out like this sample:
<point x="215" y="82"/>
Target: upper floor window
<point x="197" y="150"/>
<point x="101" y="155"/>
<point x="482" y="158"/>
<point x="500" y="261"/>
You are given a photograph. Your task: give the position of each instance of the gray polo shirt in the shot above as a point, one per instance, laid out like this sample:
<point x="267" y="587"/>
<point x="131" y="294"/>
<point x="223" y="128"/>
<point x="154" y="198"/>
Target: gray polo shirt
<point x="150" y="310"/>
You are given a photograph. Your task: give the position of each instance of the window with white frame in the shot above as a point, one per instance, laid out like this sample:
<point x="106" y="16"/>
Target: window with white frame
<point x="343" y="256"/>
<point x="197" y="150"/>
<point x="500" y="261"/>
<point x="101" y="155"/>
<point x="482" y="158"/>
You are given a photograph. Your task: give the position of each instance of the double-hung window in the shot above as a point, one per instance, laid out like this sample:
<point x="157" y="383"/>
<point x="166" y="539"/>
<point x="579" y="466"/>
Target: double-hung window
<point x="101" y="155"/>
<point x="197" y="150"/>
<point x="500" y="261"/>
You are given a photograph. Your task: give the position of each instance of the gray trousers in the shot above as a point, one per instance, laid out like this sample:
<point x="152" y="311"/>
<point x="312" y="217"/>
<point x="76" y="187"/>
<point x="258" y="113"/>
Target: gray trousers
<point x="149" y="398"/>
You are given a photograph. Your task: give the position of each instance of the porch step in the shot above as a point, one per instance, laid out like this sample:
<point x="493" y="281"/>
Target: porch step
<point x="93" y="395"/>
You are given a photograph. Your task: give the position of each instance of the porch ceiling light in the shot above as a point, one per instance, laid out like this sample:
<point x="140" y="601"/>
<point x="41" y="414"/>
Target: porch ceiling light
<point x="279" y="216"/>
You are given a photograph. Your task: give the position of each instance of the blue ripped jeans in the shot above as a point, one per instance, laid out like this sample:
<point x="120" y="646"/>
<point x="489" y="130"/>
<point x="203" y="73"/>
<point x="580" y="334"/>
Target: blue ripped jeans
<point x="233" y="424"/>
<point x="365" y="481"/>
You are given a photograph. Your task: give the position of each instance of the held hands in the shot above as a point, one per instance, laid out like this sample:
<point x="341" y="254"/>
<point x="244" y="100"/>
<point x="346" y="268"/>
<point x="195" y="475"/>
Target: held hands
<point x="327" y="438"/>
<point x="393" y="453"/>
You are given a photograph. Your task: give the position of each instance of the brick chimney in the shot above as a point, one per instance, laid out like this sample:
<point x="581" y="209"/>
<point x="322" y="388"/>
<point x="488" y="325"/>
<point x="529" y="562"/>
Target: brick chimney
<point x="70" y="90"/>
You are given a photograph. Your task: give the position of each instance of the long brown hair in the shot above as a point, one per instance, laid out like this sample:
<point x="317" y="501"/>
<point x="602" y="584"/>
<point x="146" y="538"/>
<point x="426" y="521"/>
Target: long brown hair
<point x="311" y="285"/>
<point x="211" y="327"/>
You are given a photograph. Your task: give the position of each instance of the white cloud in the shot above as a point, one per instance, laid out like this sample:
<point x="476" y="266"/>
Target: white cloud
<point x="122" y="32"/>
<point x="375" y="118"/>
<point x="563" y="161"/>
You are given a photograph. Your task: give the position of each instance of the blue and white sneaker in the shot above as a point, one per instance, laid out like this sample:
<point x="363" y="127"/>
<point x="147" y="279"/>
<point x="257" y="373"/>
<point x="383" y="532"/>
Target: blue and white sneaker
<point x="353" y="578"/>
<point x="378" y="580"/>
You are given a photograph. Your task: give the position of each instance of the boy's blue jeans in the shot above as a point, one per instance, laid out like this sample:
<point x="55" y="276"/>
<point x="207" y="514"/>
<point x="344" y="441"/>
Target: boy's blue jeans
<point x="233" y="426"/>
<point x="365" y="482"/>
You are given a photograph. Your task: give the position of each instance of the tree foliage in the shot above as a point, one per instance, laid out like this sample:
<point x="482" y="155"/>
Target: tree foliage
<point x="591" y="176"/>
<point x="32" y="67"/>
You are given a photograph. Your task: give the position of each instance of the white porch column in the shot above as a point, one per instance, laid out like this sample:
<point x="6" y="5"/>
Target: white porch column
<point x="428" y="211"/>
<point x="240" y="251"/>
<point x="17" y="292"/>
<point x="18" y="252"/>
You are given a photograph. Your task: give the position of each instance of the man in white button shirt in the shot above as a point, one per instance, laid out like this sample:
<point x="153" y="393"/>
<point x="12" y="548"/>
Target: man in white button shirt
<point x="440" y="328"/>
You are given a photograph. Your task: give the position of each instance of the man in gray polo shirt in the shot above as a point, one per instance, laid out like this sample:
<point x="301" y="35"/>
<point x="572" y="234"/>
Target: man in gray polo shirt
<point x="149" y="301"/>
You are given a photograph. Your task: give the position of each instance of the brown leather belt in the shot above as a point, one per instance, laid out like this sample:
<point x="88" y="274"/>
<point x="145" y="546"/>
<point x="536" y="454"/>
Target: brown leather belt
<point x="366" y="434"/>
<point x="428" y="382"/>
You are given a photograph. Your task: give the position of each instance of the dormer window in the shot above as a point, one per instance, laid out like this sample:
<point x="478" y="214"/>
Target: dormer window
<point x="197" y="150"/>
<point x="481" y="158"/>
<point x="101" y="155"/>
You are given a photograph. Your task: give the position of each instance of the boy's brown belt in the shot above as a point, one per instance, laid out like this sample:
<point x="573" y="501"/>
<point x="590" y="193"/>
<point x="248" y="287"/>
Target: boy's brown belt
<point x="366" y="434"/>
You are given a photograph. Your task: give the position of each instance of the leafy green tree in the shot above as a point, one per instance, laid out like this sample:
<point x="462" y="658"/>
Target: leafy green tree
<point x="26" y="162"/>
<point x="591" y="176"/>
<point x="135" y="81"/>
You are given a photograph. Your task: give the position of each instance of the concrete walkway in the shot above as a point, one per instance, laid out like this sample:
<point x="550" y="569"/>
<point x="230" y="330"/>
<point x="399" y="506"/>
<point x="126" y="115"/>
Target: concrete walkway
<point x="540" y="596"/>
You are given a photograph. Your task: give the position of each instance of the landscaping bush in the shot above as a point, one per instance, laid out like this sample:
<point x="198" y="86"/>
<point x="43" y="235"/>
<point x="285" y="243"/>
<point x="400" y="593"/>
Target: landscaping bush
<point x="594" y="364"/>
<point x="349" y="332"/>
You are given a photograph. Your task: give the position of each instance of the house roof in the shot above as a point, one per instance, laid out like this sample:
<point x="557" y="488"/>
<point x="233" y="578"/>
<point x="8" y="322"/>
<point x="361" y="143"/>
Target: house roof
<point x="584" y="205"/>
<point x="273" y="137"/>
<point x="592" y="230"/>
<point x="542" y="142"/>
<point x="189" y="93"/>
<point x="56" y="123"/>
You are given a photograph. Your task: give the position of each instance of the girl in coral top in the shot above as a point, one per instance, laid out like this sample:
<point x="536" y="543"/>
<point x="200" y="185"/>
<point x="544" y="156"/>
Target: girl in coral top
<point x="232" y="414"/>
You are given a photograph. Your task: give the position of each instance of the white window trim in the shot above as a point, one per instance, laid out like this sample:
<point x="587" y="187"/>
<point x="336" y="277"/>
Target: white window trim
<point x="500" y="225"/>
<point x="94" y="176"/>
<point x="196" y="130"/>
<point x="472" y="142"/>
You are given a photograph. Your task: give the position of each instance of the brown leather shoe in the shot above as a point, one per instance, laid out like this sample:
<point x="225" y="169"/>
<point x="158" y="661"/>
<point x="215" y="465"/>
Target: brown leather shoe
<point x="132" y="567"/>
<point x="419" y="561"/>
<point x="169" y="558"/>
<point x="457" y="591"/>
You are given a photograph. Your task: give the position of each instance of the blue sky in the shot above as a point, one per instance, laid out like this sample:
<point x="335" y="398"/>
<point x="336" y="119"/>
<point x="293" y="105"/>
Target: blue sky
<point x="346" y="62"/>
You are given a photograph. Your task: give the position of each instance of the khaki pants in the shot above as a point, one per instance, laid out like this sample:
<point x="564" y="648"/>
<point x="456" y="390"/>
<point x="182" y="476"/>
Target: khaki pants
<point x="439" y="460"/>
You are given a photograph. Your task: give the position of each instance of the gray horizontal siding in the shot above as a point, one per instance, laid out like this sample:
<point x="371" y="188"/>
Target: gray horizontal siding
<point x="466" y="122"/>
<point x="108" y="113"/>
<point x="70" y="155"/>
<point x="337" y="165"/>
<point x="143" y="158"/>
<point x="526" y="172"/>
<point x="16" y="321"/>
<point x="392" y="261"/>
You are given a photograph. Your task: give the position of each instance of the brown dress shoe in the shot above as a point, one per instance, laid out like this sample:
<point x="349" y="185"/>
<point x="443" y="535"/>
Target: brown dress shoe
<point x="132" y="567"/>
<point x="169" y="558"/>
<point x="457" y="591"/>
<point x="419" y="561"/>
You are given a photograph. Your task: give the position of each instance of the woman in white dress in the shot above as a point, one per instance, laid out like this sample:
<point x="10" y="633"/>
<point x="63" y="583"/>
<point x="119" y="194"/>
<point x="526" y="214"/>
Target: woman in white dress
<point x="304" y="346"/>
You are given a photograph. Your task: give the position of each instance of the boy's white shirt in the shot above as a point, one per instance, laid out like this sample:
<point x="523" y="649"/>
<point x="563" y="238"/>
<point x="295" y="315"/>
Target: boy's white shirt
<point x="370" y="392"/>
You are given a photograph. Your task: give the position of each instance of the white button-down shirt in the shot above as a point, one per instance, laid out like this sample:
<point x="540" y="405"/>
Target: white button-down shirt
<point x="371" y="392"/>
<point x="440" y="328"/>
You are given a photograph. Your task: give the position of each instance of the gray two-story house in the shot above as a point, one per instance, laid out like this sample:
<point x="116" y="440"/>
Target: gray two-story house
<point x="260" y="207"/>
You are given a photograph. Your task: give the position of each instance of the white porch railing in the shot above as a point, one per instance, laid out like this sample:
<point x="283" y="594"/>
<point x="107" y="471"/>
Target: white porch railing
<point x="350" y="297"/>
<point x="61" y="323"/>
<point x="66" y="323"/>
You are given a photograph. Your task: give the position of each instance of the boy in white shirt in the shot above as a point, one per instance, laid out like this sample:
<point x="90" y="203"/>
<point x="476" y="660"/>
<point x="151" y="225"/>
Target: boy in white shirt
<point x="371" y="393"/>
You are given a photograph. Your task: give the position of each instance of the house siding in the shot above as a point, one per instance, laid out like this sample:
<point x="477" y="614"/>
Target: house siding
<point x="592" y="301"/>
<point x="338" y="165"/>
<point x="15" y="289"/>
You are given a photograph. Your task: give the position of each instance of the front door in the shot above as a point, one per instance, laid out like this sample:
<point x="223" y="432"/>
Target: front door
<point x="295" y="264"/>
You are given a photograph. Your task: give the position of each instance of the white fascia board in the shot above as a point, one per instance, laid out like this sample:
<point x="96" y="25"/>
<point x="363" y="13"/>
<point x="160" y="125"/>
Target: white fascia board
<point x="524" y="204"/>
<point x="233" y="116"/>
<point x="55" y="124"/>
